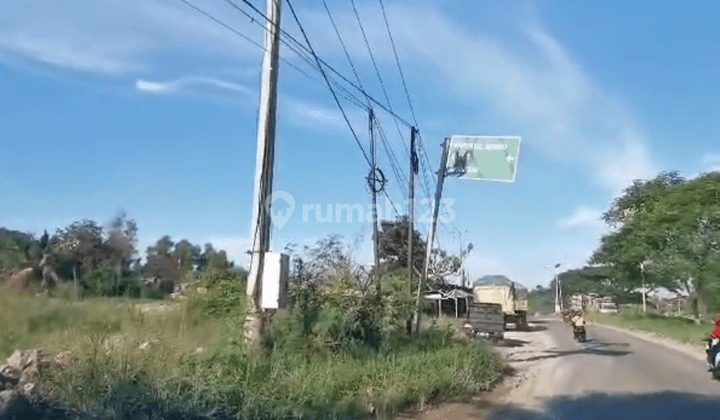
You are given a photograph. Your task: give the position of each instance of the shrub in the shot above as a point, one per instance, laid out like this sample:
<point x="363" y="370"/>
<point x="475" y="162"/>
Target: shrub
<point x="105" y="282"/>
<point x="226" y="294"/>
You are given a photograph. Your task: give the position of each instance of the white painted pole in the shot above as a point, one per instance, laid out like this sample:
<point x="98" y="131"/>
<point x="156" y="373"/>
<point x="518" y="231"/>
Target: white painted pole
<point x="264" y="164"/>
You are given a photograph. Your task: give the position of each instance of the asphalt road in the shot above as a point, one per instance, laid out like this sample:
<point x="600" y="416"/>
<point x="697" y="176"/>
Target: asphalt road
<point x="610" y="376"/>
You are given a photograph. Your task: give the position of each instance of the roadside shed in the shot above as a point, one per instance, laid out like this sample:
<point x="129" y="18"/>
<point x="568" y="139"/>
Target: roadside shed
<point x="453" y="295"/>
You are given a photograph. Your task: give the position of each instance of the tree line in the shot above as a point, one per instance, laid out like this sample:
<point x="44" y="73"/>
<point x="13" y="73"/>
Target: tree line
<point x="664" y="232"/>
<point x="105" y="260"/>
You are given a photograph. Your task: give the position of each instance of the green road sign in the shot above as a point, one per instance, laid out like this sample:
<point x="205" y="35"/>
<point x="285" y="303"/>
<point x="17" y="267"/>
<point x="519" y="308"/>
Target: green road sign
<point x="483" y="157"/>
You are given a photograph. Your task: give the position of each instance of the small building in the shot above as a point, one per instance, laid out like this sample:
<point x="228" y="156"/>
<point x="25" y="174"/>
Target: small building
<point x="446" y="301"/>
<point x="593" y="302"/>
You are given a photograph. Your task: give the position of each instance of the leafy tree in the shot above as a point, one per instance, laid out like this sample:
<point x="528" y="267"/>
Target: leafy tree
<point x="18" y="250"/>
<point x="160" y="262"/>
<point x="211" y="259"/>
<point x="171" y="262"/>
<point x="322" y="264"/>
<point x="685" y="234"/>
<point x="605" y="281"/>
<point x="219" y="261"/>
<point x="186" y="254"/>
<point x="121" y="242"/>
<point x="629" y="249"/>
<point x="673" y="226"/>
<point x="394" y="241"/>
<point x="80" y="245"/>
<point x="640" y="197"/>
<point x="394" y="250"/>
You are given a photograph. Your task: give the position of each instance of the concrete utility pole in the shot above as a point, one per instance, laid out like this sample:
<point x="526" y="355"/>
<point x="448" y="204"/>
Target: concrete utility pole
<point x="558" y="308"/>
<point x="431" y="234"/>
<point x="373" y="189"/>
<point x="411" y="214"/>
<point x="642" y="274"/>
<point x="264" y="166"/>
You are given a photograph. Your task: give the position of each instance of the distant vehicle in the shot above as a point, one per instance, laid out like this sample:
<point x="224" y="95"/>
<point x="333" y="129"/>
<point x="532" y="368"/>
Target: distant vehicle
<point x="607" y="307"/>
<point x="503" y="291"/>
<point x="485" y="319"/>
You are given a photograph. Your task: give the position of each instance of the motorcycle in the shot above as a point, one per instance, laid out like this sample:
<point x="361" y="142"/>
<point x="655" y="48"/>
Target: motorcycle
<point x="712" y="349"/>
<point x="579" y="332"/>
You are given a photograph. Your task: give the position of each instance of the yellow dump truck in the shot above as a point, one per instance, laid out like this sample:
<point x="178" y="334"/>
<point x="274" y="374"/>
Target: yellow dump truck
<point x="521" y="305"/>
<point x="501" y="290"/>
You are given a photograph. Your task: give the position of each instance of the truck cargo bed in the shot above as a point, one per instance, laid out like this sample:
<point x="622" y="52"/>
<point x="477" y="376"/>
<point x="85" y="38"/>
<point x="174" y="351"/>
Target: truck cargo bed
<point x="486" y="318"/>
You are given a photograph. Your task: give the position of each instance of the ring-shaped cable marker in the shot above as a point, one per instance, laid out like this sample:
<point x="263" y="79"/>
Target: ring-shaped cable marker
<point x="376" y="180"/>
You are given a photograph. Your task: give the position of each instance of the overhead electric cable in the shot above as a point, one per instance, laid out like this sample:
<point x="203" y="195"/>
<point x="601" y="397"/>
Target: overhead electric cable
<point x="322" y="63"/>
<point x="337" y="101"/>
<point x="345" y="93"/>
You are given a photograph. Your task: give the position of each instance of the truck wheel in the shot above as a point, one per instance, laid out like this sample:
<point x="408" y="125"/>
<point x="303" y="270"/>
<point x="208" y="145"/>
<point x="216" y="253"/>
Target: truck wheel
<point x="522" y="321"/>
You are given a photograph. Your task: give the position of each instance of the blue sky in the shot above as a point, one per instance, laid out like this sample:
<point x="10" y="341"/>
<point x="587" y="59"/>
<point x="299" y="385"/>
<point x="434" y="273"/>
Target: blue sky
<point x="148" y="106"/>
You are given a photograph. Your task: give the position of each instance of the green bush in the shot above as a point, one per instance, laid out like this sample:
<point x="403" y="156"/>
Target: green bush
<point x="226" y="294"/>
<point x="105" y="282"/>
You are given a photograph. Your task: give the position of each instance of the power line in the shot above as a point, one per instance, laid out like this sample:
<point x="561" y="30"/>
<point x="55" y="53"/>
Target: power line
<point x="350" y="97"/>
<point x="322" y="62"/>
<point x="346" y="94"/>
<point x="397" y="168"/>
<point x="317" y="66"/>
<point x="399" y="174"/>
<point x="296" y="44"/>
<point x="377" y="71"/>
<point x="407" y="93"/>
<point x="387" y="98"/>
<point x="294" y="48"/>
<point x="397" y="60"/>
<point x="347" y="54"/>
<point x="391" y="202"/>
<point x="317" y="59"/>
<point x="337" y="101"/>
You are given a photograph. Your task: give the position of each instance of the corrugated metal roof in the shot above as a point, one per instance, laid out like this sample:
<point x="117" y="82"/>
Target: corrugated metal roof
<point x="495" y="280"/>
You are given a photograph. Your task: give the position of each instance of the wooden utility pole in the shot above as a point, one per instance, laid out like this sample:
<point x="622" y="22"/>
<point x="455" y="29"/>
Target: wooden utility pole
<point x="411" y="215"/>
<point x="431" y="235"/>
<point x="264" y="166"/>
<point x="374" y="191"/>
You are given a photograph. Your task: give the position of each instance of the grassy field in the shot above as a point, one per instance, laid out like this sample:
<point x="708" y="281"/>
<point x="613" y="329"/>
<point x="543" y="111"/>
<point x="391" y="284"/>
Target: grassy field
<point x="187" y="359"/>
<point x="680" y="329"/>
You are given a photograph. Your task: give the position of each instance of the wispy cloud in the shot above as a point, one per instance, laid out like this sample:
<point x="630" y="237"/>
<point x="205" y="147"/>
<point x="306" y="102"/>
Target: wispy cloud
<point x="118" y="38"/>
<point x="319" y="116"/>
<point x="190" y="83"/>
<point x="584" y="219"/>
<point x="62" y="53"/>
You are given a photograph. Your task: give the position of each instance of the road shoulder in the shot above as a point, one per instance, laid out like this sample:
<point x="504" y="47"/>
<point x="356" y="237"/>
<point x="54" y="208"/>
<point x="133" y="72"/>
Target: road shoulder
<point x="523" y="353"/>
<point x="696" y="352"/>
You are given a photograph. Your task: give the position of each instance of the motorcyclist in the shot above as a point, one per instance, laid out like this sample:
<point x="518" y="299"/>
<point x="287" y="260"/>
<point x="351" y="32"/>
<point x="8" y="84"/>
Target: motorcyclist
<point x="715" y="334"/>
<point x="579" y="321"/>
<point x="712" y="344"/>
